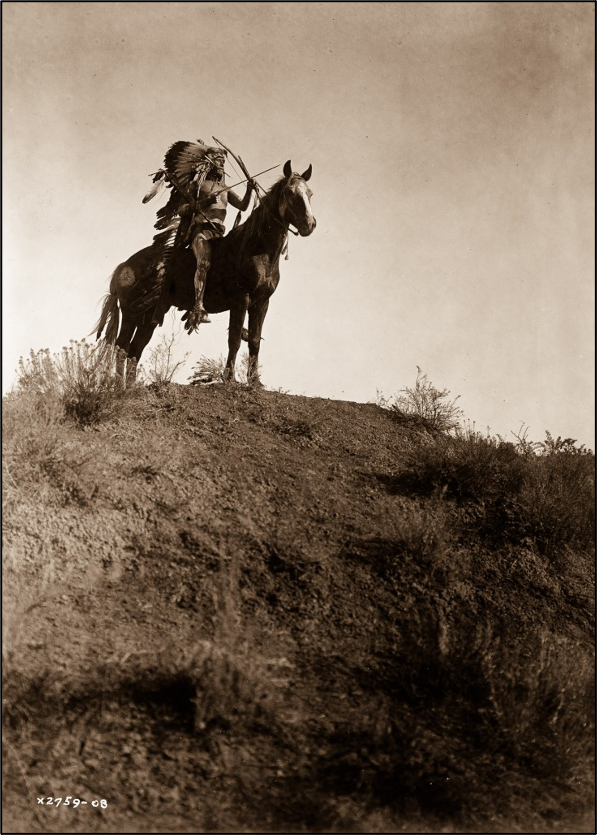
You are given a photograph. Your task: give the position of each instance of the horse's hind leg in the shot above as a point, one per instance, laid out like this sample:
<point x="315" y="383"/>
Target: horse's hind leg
<point x="138" y="345"/>
<point x="123" y="343"/>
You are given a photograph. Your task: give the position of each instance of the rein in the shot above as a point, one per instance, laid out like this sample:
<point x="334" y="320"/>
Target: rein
<point x="284" y="250"/>
<point x="288" y="229"/>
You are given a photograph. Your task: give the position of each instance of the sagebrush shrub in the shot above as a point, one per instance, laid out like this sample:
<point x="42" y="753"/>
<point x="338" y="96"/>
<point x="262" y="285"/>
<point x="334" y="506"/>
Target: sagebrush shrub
<point x="562" y="446"/>
<point x="424" y="405"/>
<point x="545" y="499"/>
<point x="556" y="504"/>
<point x="208" y="370"/>
<point x="83" y="377"/>
<point x="161" y="365"/>
<point x="468" y="466"/>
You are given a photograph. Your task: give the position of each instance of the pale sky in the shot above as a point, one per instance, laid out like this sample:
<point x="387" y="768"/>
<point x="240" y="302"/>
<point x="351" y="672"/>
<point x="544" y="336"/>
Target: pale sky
<point x="452" y="147"/>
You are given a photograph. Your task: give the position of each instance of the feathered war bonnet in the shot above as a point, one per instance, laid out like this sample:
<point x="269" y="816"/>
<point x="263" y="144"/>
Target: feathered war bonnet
<point x="186" y="162"/>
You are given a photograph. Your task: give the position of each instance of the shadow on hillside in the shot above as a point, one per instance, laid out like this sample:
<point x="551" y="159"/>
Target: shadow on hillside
<point x="397" y="484"/>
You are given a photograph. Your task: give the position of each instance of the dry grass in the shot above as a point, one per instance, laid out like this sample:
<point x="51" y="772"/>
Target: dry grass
<point x="473" y="728"/>
<point x="545" y="500"/>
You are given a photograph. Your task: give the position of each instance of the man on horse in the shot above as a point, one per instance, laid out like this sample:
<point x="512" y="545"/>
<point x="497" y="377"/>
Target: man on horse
<point x="196" y="211"/>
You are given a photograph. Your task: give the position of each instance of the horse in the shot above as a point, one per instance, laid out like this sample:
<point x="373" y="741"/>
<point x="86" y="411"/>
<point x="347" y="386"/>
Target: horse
<point x="243" y="274"/>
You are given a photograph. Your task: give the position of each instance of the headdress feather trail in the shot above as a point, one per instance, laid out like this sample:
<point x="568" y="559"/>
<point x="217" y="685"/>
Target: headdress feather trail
<point x="159" y="183"/>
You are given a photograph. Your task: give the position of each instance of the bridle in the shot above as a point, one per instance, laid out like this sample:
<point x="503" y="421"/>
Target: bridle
<point x="277" y="219"/>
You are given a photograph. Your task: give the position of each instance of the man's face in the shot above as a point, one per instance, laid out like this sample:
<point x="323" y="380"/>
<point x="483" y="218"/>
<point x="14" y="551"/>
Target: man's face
<point x="219" y="161"/>
<point x="216" y="157"/>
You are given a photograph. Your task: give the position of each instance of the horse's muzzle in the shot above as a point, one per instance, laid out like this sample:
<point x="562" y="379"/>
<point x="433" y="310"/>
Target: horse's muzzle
<point x="305" y="229"/>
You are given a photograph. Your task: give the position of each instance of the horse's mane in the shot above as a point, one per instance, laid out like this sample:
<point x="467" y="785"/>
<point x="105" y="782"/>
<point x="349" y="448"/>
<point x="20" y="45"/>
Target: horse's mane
<point x="253" y="225"/>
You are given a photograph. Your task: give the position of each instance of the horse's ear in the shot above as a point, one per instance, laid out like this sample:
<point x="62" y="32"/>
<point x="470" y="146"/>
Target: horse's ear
<point x="288" y="169"/>
<point x="307" y="173"/>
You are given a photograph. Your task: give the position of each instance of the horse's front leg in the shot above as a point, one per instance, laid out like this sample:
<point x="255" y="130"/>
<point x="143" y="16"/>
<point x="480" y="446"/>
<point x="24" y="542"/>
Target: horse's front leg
<point x="238" y="311"/>
<point x="256" y="317"/>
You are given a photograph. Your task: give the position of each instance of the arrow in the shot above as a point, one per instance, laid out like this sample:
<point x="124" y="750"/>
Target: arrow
<point x="240" y="182"/>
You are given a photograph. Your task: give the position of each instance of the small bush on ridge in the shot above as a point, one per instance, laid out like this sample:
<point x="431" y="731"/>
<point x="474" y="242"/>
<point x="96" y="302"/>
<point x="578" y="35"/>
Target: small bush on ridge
<point x="426" y="405"/>
<point x="209" y="370"/>
<point x="82" y="377"/>
<point x="161" y="367"/>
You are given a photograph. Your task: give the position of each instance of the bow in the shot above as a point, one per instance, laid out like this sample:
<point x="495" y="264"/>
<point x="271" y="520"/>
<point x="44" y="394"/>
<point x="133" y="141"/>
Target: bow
<point x="241" y="164"/>
<point x="239" y="183"/>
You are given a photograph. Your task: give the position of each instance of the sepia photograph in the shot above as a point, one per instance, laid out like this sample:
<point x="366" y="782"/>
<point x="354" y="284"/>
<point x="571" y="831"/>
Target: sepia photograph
<point x="298" y="425"/>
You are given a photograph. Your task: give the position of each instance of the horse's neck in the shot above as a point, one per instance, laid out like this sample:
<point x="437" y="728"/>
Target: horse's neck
<point x="272" y="231"/>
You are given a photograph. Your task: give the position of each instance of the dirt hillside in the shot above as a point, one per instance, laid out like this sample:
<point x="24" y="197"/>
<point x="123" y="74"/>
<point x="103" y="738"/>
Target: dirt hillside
<point x="235" y="610"/>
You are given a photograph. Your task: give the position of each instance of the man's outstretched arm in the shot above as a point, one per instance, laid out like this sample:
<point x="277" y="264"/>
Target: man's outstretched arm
<point x="243" y="204"/>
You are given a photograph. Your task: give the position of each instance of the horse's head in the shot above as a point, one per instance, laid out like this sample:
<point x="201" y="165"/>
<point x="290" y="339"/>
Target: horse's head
<point x="295" y="201"/>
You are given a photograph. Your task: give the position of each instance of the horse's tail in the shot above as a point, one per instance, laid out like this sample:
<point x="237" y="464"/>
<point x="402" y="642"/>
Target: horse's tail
<point x="110" y="316"/>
